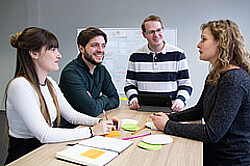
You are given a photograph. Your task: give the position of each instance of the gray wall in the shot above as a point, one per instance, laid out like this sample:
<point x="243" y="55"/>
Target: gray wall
<point x="62" y="17"/>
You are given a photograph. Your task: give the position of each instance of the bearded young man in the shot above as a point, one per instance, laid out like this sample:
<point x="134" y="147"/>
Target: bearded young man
<point x="85" y="82"/>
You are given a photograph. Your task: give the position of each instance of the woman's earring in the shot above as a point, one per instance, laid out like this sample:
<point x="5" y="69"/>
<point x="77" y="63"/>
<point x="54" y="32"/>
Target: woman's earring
<point x="36" y="57"/>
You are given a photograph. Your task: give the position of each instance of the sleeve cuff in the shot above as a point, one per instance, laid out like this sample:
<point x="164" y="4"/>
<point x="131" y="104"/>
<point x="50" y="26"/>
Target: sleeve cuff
<point x="104" y="99"/>
<point x="132" y="100"/>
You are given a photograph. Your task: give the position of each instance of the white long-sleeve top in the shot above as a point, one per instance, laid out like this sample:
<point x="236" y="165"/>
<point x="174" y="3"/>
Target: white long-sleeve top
<point x="26" y="120"/>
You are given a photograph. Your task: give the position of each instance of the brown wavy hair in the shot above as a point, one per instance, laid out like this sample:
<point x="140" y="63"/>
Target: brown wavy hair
<point x="34" y="39"/>
<point x="231" y="49"/>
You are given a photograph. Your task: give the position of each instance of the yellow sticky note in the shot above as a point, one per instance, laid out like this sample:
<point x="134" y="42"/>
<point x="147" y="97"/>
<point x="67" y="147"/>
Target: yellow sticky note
<point x="92" y="153"/>
<point x="123" y="98"/>
<point x="114" y="133"/>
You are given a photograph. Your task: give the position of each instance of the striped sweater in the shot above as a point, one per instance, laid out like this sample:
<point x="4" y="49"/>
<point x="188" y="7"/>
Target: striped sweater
<point x="162" y="73"/>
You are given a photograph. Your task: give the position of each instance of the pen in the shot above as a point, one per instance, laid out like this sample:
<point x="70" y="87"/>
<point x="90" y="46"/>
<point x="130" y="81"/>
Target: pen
<point x="168" y="113"/>
<point x="136" y="136"/>
<point x="71" y="144"/>
<point x="138" y="130"/>
<point x="104" y="114"/>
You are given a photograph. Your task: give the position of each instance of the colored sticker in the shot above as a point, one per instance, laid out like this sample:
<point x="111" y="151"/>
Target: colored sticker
<point x="147" y="146"/>
<point x="130" y="127"/>
<point x="92" y="153"/>
<point x="114" y="133"/>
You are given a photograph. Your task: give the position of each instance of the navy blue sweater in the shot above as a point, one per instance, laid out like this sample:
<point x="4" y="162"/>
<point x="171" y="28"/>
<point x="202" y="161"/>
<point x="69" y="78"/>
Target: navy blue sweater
<point x="76" y="80"/>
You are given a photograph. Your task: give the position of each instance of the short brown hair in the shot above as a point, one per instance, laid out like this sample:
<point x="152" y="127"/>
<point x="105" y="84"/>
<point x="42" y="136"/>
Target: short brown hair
<point x="150" y="18"/>
<point x="87" y="34"/>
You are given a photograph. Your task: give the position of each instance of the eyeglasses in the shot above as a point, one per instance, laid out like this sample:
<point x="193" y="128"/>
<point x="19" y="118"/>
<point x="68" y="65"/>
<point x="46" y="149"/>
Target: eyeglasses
<point x="154" y="31"/>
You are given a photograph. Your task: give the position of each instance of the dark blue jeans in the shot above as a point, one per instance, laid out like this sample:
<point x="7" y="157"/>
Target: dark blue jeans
<point x="19" y="147"/>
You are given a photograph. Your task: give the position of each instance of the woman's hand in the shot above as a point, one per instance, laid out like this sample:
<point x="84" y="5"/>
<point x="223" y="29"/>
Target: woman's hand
<point x="159" y="119"/>
<point x="104" y="127"/>
<point x="116" y="123"/>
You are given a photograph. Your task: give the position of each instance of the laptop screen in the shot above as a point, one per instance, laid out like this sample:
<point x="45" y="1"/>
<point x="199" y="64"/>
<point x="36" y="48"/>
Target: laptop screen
<point x="154" y="100"/>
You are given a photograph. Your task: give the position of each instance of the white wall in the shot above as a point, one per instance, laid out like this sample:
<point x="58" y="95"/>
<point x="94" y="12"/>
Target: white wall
<point x="62" y="17"/>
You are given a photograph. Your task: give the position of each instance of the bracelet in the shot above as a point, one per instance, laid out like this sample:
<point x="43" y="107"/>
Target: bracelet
<point x="100" y="120"/>
<point x="91" y="132"/>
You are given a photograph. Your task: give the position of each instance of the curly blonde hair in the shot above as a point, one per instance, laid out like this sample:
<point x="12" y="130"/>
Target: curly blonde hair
<point x="231" y="49"/>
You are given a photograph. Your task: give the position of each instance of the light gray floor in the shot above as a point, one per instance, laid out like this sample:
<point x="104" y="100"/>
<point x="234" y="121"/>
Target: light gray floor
<point x="3" y="149"/>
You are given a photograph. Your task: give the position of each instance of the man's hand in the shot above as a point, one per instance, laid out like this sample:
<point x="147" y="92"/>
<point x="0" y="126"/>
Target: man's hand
<point x="89" y="94"/>
<point x="134" y="105"/>
<point x="177" y="105"/>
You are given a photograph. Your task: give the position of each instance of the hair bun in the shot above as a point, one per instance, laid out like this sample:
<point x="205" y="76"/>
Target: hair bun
<point x="14" y="40"/>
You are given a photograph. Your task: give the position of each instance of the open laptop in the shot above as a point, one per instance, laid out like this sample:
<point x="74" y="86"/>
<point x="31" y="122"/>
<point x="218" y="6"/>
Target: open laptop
<point x="154" y="103"/>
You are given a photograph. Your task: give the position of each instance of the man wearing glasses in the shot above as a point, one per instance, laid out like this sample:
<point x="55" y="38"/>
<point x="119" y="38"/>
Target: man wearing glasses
<point x="157" y="68"/>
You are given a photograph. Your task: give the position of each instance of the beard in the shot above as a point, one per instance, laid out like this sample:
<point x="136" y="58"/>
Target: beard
<point x="90" y="58"/>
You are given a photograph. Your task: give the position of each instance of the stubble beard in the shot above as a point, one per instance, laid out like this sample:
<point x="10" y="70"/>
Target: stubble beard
<point x="90" y="58"/>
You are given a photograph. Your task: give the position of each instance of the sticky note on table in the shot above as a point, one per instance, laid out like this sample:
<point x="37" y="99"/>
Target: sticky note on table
<point x="114" y="133"/>
<point x="92" y="153"/>
<point x="147" y="146"/>
<point x="130" y="127"/>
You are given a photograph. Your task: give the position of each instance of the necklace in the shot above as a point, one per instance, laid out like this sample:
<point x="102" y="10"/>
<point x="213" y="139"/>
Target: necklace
<point x="43" y="84"/>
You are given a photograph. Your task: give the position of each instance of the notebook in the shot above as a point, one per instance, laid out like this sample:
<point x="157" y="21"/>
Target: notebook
<point x="95" y="151"/>
<point x="154" y="103"/>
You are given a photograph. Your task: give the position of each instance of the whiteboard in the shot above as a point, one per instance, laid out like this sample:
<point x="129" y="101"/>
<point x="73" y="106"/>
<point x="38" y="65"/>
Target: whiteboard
<point x="121" y="43"/>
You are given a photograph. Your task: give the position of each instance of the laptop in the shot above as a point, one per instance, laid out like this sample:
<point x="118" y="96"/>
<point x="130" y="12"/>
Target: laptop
<point x="154" y="103"/>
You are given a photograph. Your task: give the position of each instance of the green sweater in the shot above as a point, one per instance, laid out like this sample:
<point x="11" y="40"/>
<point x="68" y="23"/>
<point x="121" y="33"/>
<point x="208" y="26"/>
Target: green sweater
<point x="76" y="80"/>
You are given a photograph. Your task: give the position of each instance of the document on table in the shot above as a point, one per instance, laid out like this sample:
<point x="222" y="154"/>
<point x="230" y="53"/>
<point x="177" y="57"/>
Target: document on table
<point x="97" y="150"/>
